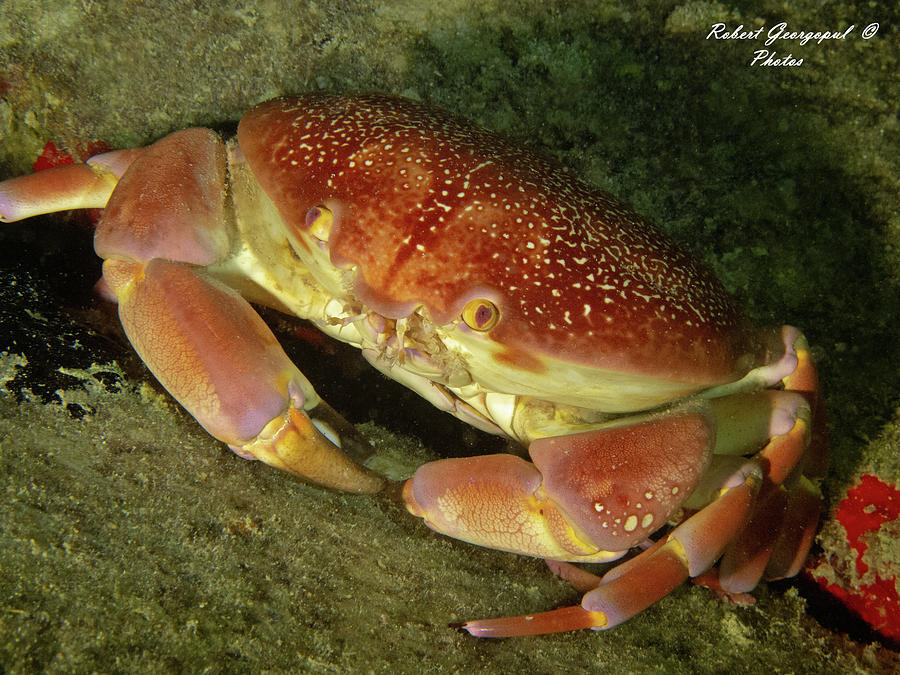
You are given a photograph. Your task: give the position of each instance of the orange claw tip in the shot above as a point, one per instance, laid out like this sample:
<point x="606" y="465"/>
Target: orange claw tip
<point x="554" y="621"/>
<point x="409" y="499"/>
<point x="292" y="443"/>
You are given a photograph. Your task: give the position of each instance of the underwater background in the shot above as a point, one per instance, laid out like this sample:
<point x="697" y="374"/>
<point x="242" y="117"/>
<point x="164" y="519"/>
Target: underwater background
<point x="132" y="541"/>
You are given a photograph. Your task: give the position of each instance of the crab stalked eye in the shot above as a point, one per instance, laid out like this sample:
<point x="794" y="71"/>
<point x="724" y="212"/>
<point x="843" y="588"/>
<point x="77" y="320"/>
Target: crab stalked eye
<point x="318" y="222"/>
<point x="480" y="314"/>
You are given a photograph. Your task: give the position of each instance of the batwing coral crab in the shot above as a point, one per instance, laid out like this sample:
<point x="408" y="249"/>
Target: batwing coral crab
<point x="500" y="288"/>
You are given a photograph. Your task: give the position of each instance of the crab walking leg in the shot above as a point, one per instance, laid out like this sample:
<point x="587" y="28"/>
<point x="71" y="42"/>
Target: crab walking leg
<point x="804" y="499"/>
<point x="216" y="356"/>
<point x="778" y="536"/>
<point x="76" y="186"/>
<point x="805" y="380"/>
<point x="775" y="541"/>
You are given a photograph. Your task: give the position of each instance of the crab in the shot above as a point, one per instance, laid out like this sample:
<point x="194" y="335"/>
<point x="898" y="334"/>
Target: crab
<point x="490" y="281"/>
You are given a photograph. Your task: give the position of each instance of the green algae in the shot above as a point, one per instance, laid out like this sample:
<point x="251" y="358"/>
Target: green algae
<point x="133" y="542"/>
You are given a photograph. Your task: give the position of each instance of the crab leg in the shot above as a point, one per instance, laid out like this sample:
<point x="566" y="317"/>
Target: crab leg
<point x="805" y="380"/>
<point x="780" y="532"/>
<point x="76" y="186"/>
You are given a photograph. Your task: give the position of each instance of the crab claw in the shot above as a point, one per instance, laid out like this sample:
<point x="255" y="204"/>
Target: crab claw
<point x="164" y="222"/>
<point x="210" y="349"/>
<point x="589" y="497"/>
<point x="635" y="585"/>
<point x="201" y="339"/>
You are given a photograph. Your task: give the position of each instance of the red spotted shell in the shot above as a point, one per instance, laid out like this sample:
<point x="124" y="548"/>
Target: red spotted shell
<point x="434" y="211"/>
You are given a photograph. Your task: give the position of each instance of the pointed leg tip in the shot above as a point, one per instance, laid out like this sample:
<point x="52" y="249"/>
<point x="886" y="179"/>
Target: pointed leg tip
<point x="479" y="629"/>
<point x="10" y="209"/>
<point x="554" y="621"/>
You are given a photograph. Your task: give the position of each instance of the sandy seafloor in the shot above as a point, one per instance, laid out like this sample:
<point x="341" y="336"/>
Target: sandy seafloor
<point x="132" y="542"/>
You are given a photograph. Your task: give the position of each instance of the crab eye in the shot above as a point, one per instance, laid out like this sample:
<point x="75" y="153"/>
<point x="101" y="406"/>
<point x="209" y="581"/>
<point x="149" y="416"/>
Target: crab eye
<point x="480" y="314"/>
<point x="318" y="222"/>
